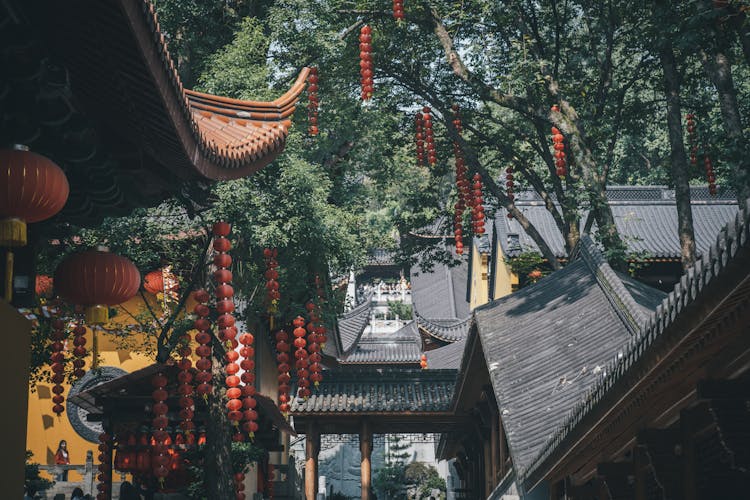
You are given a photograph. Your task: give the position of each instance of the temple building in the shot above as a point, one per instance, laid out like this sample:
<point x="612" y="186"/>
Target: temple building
<point x="91" y="86"/>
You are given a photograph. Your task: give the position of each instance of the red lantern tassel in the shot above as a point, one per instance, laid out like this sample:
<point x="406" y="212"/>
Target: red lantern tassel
<point x="365" y="62"/>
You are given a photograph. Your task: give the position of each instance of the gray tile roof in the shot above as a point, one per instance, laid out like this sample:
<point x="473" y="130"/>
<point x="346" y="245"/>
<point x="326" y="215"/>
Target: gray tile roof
<point x="711" y="267"/>
<point x="369" y="390"/>
<point x="402" y="346"/>
<point x="645" y="216"/>
<point x="352" y="324"/>
<point x="441" y="292"/>
<point x="544" y="352"/>
<point x="447" y="357"/>
<point x="448" y="330"/>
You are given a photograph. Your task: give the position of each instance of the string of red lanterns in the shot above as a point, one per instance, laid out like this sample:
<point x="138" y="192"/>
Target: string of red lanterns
<point x="301" y="357"/>
<point x="185" y="378"/>
<point x="272" y="284"/>
<point x="249" y="415"/>
<point x="239" y="485"/>
<point x="365" y="62"/>
<point x="104" y="477"/>
<point x="419" y="138"/>
<point x="282" y="358"/>
<point x="160" y="423"/>
<point x="423" y="361"/>
<point x="429" y="136"/>
<point x="558" y="143"/>
<point x="710" y="176"/>
<point x="313" y="103"/>
<point x="313" y="348"/>
<point x="224" y="293"/>
<point x="477" y="214"/>
<point x="462" y="184"/>
<point x="398" y="10"/>
<point x="57" y="365"/>
<point x="203" y="337"/>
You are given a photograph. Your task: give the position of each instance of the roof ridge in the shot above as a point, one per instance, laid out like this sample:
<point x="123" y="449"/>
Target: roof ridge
<point x="618" y="295"/>
<point x="707" y="268"/>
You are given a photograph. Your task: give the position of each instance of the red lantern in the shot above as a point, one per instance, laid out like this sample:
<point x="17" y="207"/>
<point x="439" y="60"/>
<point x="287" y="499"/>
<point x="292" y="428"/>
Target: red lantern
<point x="558" y="141"/>
<point x="398" y="10"/>
<point x="365" y="62"/>
<point x="429" y="136"/>
<point x="57" y="360"/>
<point x="105" y="465"/>
<point x="97" y="279"/>
<point x="32" y="189"/>
<point x="423" y="361"/>
<point x="419" y="138"/>
<point x="203" y="364"/>
<point x="153" y="282"/>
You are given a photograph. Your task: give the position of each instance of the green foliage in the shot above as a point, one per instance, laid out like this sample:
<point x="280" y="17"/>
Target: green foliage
<point x="242" y="454"/>
<point x="33" y="482"/>
<point x="389" y="481"/>
<point x="424" y="477"/>
<point x="399" y="309"/>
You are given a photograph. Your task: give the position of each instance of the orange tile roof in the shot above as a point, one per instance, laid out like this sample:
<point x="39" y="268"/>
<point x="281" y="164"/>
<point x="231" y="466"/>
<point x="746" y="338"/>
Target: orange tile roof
<point x="234" y="138"/>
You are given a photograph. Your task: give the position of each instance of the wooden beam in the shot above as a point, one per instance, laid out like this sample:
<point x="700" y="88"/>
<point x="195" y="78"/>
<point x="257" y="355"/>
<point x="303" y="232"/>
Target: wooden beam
<point x="619" y="478"/>
<point x="664" y="450"/>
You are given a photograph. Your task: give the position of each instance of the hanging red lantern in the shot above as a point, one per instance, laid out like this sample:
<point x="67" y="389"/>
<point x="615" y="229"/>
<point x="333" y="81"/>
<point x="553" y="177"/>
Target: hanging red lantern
<point x="558" y="143"/>
<point x="153" y="282"/>
<point x="429" y="136"/>
<point x="301" y="357"/>
<point x="313" y="348"/>
<point x="478" y="209"/>
<point x="365" y="62"/>
<point x="461" y="184"/>
<point x="710" y="176"/>
<point x="398" y="10"/>
<point x="273" y="295"/>
<point x="312" y="97"/>
<point x="248" y="404"/>
<point x="423" y="361"/>
<point x="160" y="422"/>
<point x="419" y="138"/>
<point x="282" y="359"/>
<point x="79" y="350"/>
<point x="35" y="190"/>
<point x="203" y="351"/>
<point x="57" y="365"/>
<point x="97" y="279"/>
<point x="104" y="477"/>
<point x="239" y="485"/>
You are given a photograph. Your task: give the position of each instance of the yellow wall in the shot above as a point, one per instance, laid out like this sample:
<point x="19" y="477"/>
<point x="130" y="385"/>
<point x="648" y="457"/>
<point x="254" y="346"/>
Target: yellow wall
<point x="505" y="280"/>
<point x="44" y="429"/>
<point x="479" y="294"/>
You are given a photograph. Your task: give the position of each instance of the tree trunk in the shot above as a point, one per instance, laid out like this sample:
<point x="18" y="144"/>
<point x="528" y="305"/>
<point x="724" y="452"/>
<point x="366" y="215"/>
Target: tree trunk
<point x="719" y="70"/>
<point x="678" y="157"/>
<point x="219" y="474"/>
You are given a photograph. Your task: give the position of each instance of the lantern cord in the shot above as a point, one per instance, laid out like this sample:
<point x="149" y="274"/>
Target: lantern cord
<point x="8" y="275"/>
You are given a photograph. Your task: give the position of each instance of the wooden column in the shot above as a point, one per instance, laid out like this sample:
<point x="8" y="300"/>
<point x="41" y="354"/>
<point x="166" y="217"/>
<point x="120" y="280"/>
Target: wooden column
<point x="365" y="449"/>
<point x="312" y="448"/>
